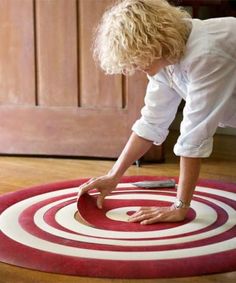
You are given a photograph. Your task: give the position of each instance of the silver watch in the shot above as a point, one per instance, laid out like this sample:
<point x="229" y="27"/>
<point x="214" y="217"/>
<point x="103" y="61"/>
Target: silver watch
<point x="180" y="204"/>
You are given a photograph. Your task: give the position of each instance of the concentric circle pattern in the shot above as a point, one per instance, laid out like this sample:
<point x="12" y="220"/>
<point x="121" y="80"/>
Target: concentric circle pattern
<point x="45" y="228"/>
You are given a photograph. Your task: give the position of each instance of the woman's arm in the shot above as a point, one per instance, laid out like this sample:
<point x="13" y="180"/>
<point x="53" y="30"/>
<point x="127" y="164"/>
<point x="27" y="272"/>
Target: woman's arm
<point x="189" y="173"/>
<point x="135" y="148"/>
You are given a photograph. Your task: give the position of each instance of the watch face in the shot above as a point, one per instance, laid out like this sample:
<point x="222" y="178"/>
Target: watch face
<point x="178" y="204"/>
<point x="181" y="204"/>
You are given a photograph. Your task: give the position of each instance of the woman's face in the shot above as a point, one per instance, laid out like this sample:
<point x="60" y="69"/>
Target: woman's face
<point x="155" y="67"/>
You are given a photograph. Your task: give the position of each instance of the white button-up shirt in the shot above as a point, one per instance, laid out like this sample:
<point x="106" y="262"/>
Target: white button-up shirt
<point x="206" y="79"/>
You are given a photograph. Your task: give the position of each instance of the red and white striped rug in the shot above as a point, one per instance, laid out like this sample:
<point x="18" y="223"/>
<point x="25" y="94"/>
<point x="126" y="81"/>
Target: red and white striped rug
<point x="42" y="228"/>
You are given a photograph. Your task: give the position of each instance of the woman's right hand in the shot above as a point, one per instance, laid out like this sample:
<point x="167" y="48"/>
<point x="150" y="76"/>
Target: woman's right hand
<point x="134" y="149"/>
<point x="104" y="184"/>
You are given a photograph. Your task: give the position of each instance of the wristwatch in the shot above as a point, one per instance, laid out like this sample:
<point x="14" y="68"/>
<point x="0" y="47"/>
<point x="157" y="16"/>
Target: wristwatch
<point x="180" y="204"/>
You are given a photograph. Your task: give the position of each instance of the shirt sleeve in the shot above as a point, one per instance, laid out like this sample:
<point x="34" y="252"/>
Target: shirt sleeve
<point x="161" y="104"/>
<point x="211" y="85"/>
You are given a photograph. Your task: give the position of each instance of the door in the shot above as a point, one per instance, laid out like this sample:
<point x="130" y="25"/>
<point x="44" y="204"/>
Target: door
<point x="53" y="99"/>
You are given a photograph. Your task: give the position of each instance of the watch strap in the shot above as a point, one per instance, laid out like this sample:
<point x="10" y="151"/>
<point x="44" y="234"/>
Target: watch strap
<point x="180" y="204"/>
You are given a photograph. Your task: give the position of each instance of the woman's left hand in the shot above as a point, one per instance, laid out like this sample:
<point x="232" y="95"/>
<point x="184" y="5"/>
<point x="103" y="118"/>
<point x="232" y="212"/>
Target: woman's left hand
<point x="151" y="215"/>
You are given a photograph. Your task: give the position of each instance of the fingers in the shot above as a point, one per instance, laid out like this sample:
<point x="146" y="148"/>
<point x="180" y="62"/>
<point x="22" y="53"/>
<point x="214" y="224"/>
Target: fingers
<point x="151" y="215"/>
<point x="150" y="218"/>
<point x="93" y="183"/>
<point x="141" y="214"/>
<point x="158" y="218"/>
<point x="87" y="186"/>
<point x="144" y="216"/>
<point x="100" y="200"/>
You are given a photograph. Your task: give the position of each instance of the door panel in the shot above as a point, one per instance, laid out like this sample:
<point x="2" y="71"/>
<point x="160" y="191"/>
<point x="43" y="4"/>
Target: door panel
<point x="17" y="72"/>
<point x="97" y="89"/>
<point x="67" y="131"/>
<point x="54" y="99"/>
<point x="56" y="33"/>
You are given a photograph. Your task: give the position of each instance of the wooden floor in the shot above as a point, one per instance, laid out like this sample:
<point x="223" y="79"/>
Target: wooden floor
<point x="20" y="172"/>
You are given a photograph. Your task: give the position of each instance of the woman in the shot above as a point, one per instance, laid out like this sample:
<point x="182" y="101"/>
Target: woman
<point x="183" y="58"/>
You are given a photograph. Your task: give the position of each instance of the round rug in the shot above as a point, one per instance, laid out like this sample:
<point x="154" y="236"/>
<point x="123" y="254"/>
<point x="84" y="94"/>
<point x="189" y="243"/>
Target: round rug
<point x="43" y="228"/>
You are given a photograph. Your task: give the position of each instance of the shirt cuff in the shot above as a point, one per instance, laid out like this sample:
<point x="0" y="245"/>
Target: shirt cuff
<point x="149" y="132"/>
<point x="187" y="150"/>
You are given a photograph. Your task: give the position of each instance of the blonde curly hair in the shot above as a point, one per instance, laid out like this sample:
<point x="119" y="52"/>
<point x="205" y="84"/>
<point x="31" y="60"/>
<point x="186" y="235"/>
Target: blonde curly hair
<point x="133" y="33"/>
